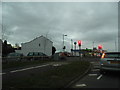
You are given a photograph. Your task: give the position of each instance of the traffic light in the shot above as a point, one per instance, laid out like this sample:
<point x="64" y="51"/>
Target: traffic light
<point x="79" y="42"/>
<point x="100" y="46"/>
<point x="64" y="47"/>
<point x="75" y="43"/>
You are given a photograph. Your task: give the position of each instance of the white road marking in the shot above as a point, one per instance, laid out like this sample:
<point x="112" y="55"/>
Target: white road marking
<point x="80" y="85"/>
<point x="2" y="73"/>
<point x="29" y="68"/>
<point x="56" y="65"/>
<point x="92" y="62"/>
<point x="99" y="77"/>
<point x="95" y="69"/>
<point x="92" y="74"/>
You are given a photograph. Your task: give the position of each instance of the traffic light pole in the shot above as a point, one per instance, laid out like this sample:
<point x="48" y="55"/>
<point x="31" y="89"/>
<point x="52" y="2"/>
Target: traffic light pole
<point x="80" y="52"/>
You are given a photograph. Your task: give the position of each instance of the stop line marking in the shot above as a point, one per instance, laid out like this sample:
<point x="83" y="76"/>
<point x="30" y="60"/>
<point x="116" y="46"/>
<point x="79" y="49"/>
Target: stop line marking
<point x="81" y="85"/>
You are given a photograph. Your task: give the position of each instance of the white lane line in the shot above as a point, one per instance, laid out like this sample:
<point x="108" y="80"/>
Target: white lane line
<point x="80" y="85"/>
<point x="92" y="74"/>
<point x="99" y="77"/>
<point x="29" y="68"/>
<point x="2" y="73"/>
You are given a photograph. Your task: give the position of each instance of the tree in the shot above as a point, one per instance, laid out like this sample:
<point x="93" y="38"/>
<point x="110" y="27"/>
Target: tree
<point x="6" y="48"/>
<point x="53" y="50"/>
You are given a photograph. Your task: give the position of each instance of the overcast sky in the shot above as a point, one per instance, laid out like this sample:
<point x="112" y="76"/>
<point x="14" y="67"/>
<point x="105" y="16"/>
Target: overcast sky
<point x="87" y="21"/>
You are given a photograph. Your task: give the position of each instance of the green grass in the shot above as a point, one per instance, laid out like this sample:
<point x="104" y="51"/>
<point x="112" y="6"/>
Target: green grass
<point x="15" y="64"/>
<point x="57" y="77"/>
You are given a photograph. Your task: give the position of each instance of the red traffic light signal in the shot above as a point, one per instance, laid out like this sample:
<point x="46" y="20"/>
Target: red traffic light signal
<point x="100" y="46"/>
<point x="79" y="42"/>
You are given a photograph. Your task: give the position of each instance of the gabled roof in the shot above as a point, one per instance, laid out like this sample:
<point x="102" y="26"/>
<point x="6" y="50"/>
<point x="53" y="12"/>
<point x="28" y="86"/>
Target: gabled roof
<point x="37" y="38"/>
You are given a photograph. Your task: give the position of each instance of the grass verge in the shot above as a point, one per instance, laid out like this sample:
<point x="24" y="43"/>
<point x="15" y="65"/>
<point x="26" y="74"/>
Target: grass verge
<point x="57" y="77"/>
<point x="15" y="64"/>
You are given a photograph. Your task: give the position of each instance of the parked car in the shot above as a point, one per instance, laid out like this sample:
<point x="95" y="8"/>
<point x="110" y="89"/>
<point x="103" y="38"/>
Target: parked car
<point x="110" y="61"/>
<point x="36" y="55"/>
<point x="15" y="56"/>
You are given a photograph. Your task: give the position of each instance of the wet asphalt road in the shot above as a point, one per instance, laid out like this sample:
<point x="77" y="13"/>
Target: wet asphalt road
<point x="96" y="80"/>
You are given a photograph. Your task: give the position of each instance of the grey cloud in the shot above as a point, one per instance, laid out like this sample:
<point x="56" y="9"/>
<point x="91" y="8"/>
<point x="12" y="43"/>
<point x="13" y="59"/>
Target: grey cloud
<point x="86" y="21"/>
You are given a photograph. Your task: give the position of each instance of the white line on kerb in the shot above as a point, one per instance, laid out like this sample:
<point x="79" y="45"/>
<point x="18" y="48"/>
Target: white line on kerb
<point x="29" y="68"/>
<point x="99" y="77"/>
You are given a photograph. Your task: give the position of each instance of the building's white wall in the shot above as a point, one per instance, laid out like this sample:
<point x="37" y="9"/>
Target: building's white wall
<point x="40" y="44"/>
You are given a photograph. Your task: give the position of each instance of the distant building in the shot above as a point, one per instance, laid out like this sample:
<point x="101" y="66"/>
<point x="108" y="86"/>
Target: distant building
<point x="87" y="52"/>
<point x="39" y="44"/>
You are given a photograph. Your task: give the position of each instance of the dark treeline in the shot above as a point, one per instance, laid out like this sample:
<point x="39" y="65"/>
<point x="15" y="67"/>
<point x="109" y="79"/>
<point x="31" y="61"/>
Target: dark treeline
<point x="6" y="48"/>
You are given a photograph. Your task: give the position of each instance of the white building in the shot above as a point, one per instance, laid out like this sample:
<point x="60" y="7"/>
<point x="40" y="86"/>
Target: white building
<point x="39" y="44"/>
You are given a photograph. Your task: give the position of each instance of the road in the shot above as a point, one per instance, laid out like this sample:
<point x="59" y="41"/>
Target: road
<point x="96" y="80"/>
<point x="92" y="80"/>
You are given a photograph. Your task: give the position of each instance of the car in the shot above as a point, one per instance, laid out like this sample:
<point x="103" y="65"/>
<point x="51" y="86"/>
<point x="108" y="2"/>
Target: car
<point x="110" y="61"/>
<point x="36" y="55"/>
<point x="15" y="56"/>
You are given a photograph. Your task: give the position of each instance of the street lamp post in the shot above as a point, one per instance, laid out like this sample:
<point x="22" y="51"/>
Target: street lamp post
<point x="75" y="47"/>
<point x="63" y="43"/>
<point x="72" y="47"/>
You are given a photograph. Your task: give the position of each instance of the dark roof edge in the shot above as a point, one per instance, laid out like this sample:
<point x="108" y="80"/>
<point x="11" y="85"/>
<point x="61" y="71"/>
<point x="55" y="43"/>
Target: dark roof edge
<point x="37" y="38"/>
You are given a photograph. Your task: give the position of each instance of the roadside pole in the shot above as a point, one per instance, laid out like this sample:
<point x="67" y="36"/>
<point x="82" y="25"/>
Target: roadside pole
<point x="80" y="50"/>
